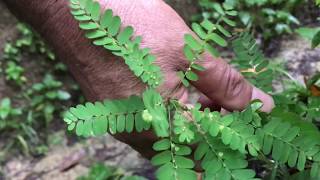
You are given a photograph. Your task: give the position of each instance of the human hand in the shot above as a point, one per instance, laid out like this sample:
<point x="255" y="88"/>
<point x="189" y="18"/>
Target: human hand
<point x="104" y="76"/>
<point x="163" y="31"/>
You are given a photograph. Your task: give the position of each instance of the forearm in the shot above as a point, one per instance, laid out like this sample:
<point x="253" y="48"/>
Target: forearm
<point x="99" y="73"/>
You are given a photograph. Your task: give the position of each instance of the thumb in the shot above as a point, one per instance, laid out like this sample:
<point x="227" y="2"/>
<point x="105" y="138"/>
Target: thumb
<point x="225" y="86"/>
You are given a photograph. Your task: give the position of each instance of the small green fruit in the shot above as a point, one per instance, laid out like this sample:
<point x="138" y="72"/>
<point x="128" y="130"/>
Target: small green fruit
<point x="147" y="116"/>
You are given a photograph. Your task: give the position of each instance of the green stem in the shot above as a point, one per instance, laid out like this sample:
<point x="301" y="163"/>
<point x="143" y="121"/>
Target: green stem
<point x="211" y="146"/>
<point x="172" y="144"/>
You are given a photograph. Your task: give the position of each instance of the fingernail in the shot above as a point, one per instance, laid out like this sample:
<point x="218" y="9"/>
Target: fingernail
<point x="267" y="100"/>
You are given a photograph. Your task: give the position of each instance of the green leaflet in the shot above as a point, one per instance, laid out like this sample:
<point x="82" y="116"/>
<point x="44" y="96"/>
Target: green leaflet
<point x="217" y="39"/>
<point x="104" y="30"/>
<point x="192" y="76"/>
<point x="189" y="54"/>
<point x="315" y="170"/>
<point x="114" y="26"/>
<point x="96" y="119"/>
<point x="125" y="35"/>
<point x="199" y="30"/>
<point x="106" y="19"/>
<point x="229" y="21"/>
<point x="192" y="55"/>
<point x="192" y="42"/>
<point x="162" y="145"/>
<point x="182" y="128"/>
<point x="316" y="40"/>
<point x="208" y="26"/>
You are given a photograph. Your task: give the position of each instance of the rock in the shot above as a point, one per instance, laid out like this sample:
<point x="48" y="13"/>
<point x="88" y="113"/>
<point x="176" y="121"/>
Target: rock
<point x="300" y="59"/>
<point x="69" y="162"/>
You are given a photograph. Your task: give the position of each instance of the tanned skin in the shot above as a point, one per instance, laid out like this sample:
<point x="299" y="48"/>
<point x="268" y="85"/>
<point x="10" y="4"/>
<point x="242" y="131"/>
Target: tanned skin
<point x="104" y="76"/>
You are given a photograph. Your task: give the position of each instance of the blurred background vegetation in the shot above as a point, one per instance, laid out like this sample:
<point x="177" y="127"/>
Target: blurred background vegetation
<point x="36" y="88"/>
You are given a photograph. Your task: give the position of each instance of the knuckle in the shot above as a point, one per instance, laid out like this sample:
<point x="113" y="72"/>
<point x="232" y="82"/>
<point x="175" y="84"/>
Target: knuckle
<point x="235" y="84"/>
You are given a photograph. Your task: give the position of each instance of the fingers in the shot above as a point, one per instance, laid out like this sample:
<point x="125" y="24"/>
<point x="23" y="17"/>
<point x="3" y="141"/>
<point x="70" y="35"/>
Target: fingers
<point x="268" y="103"/>
<point x="223" y="85"/>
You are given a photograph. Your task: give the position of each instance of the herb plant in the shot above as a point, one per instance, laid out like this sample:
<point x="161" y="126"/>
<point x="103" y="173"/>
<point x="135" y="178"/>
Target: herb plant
<point x="100" y="171"/>
<point x="13" y="54"/>
<point x="40" y="100"/>
<point x="312" y="34"/>
<point x="316" y="37"/>
<point x="7" y="112"/>
<point x="268" y="17"/>
<point x="224" y="145"/>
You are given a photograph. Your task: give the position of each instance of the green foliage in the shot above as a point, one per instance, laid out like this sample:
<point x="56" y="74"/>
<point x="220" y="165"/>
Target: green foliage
<point x="14" y="73"/>
<point x="307" y="32"/>
<point x="224" y="145"/>
<point x="235" y="130"/>
<point x="301" y="99"/>
<point x="218" y="161"/>
<point x="312" y="109"/>
<point x="29" y="42"/>
<point x="155" y="107"/>
<point x="100" y="171"/>
<point x="33" y="42"/>
<point x="250" y="60"/>
<point x="8" y="112"/>
<point x="183" y="128"/>
<point x="316" y="40"/>
<point x="311" y="34"/>
<point x="285" y="143"/>
<point x="105" y="31"/>
<point x="44" y="97"/>
<point x="209" y="34"/>
<point x="110" y="116"/>
<point x="172" y="161"/>
<point x="40" y="95"/>
<point x="316" y="37"/>
<point x="269" y="17"/>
